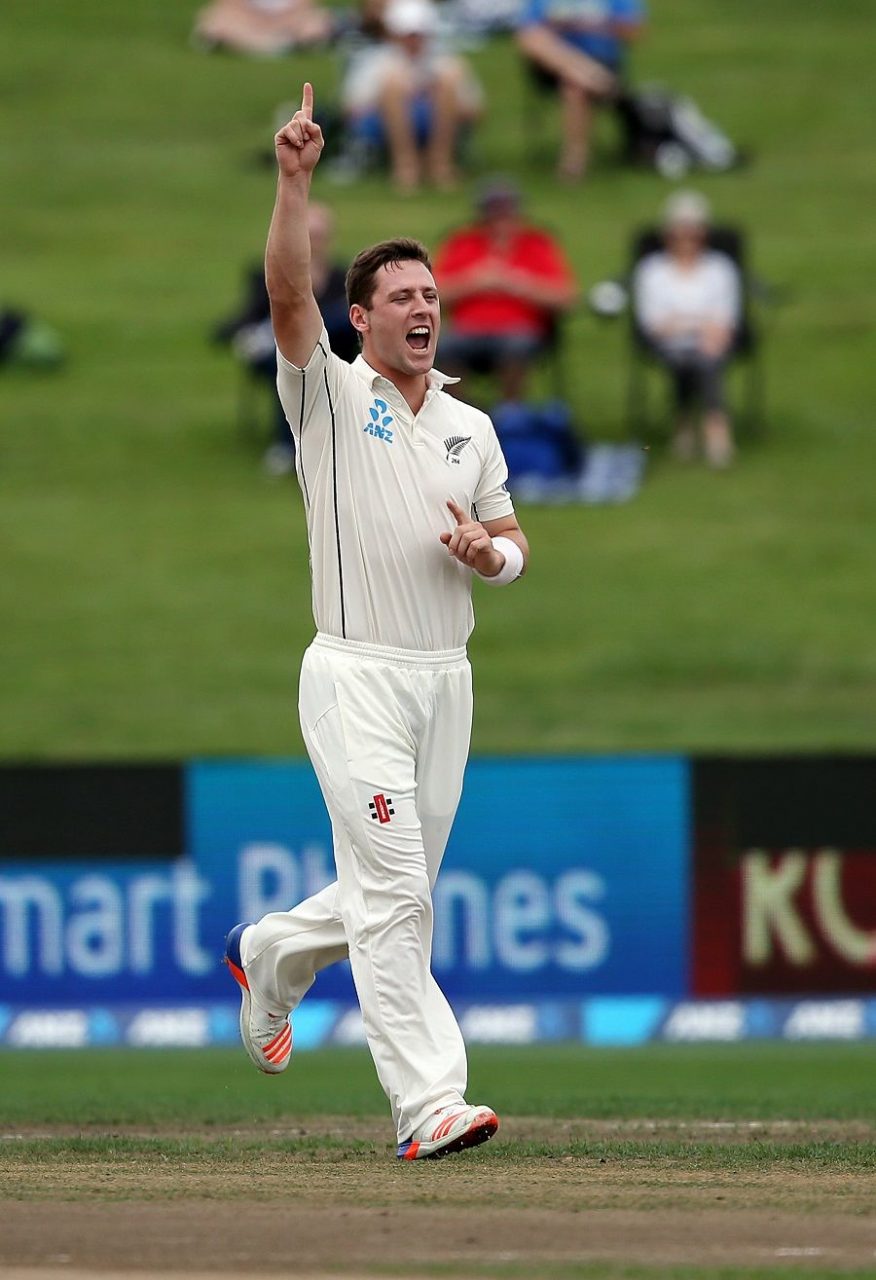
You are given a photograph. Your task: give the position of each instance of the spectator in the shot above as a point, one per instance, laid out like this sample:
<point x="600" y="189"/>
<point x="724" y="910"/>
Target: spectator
<point x="262" y="28"/>
<point x="503" y="283"/>
<point x="403" y="91"/>
<point x="687" y="305"/>
<point x="252" y="336"/>
<point x="578" y="46"/>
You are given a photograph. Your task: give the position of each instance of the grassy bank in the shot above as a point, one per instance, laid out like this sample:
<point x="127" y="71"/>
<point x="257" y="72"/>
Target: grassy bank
<point x="155" y="594"/>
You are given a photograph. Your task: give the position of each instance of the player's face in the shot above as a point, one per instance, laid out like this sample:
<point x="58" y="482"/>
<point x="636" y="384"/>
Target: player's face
<point x="400" y="328"/>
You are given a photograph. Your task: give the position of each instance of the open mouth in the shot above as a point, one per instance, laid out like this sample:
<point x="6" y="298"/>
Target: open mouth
<point x="418" y="338"/>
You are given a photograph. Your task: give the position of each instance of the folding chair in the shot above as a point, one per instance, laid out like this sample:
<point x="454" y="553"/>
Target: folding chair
<point x="749" y="415"/>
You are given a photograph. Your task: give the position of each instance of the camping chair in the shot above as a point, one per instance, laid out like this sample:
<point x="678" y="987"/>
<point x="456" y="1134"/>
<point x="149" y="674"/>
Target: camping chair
<point x="749" y="416"/>
<point x="553" y="357"/>
<point x="546" y="376"/>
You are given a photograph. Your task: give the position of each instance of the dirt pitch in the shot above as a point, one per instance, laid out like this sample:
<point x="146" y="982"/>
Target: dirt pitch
<point x="334" y="1201"/>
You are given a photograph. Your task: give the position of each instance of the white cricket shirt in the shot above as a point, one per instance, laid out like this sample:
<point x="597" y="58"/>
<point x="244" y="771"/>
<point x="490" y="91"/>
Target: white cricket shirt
<point x="376" y="479"/>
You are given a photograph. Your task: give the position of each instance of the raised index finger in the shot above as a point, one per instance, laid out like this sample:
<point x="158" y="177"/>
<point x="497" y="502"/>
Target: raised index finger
<point x="307" y="100"/>
<point x="458" y="514"/>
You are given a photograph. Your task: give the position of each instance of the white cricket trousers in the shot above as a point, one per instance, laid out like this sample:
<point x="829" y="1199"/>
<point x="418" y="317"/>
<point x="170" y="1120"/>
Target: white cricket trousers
<point x="388" y="732"/>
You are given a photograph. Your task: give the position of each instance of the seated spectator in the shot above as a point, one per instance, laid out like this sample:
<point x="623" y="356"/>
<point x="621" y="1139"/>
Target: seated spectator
<point x="404" y="92"/>
<point x="503" y="283"/>
<point x="252" y="337"/>
<point x="262" y="28"/>
<point x="687" y="305"/>
<point x="578" y="46"/>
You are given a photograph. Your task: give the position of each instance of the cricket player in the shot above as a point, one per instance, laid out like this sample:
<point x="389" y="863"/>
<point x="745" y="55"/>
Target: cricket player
<point x="405" y="499"/>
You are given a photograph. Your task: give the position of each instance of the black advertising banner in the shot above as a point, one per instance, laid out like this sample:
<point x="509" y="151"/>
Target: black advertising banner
<point x="784" y="876"/>
<point x="102" y="812"/>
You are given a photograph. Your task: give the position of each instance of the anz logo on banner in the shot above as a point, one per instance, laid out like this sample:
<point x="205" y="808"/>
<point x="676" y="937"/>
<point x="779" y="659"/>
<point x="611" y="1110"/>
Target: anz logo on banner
<point x="586" y="892"/>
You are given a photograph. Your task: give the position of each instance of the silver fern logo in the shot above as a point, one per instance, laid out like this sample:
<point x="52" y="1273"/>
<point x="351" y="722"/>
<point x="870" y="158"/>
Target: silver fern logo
<point x="454" y="446"/>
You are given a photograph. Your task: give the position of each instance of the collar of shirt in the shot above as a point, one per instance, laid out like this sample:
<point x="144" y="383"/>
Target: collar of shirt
<point x="436" y="381"/>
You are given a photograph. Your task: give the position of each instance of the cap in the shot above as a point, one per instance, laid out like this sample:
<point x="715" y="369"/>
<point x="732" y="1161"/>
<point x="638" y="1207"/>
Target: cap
<point x="498" y="191"/>
<point x="687" y="207"/>
<point x="411" y="18"/>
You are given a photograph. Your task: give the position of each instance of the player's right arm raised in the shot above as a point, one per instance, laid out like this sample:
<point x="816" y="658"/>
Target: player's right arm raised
<point x="294" y="313"/>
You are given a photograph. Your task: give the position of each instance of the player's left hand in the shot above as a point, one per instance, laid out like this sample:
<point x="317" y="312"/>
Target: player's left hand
<point x="471" y="544"/>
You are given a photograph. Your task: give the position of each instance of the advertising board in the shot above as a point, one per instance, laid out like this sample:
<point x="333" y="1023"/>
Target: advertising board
<point x="562" y="878"/>
<point x="784" y="876"/>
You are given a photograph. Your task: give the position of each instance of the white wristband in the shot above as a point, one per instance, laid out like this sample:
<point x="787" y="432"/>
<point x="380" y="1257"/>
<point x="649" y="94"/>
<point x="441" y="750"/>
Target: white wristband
<point x="511" y="569"/>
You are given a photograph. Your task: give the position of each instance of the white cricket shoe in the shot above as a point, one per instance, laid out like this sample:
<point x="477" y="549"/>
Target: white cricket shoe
<point x="267" y="1037"/>
<point x="448" y="1130"/>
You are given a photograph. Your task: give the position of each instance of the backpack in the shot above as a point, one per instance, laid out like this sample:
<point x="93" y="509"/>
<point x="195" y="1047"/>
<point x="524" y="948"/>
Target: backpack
<point x="670" y="132"/>
<point x="28" y="342"/>
<point x="538" y="441"/>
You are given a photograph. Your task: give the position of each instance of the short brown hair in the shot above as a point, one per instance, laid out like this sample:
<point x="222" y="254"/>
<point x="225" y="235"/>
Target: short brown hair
<point x="360" y="281"/>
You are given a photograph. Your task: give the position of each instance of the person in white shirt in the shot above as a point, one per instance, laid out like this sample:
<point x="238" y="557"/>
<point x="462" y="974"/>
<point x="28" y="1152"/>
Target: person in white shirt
<point x="687" y="304"/>
<point x="405" y="500"/>
<point x="411" y="94"/>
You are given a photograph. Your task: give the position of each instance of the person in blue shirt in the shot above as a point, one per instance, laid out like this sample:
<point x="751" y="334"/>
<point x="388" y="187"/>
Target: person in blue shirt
<point x="578" y="46"/>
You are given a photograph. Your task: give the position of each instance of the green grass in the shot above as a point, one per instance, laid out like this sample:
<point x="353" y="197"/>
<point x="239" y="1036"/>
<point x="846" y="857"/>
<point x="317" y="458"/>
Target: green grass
<point x="671" y="1109"/>
<point x="244" y="1156"/>
<point x="742" y="1082"/>
<point x="744" y="1134"/>
<point x="155" y="595"/>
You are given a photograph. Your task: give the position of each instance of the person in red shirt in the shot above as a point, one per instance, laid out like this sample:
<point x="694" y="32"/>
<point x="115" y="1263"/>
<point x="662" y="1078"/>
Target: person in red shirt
<point x="503" y="283"/>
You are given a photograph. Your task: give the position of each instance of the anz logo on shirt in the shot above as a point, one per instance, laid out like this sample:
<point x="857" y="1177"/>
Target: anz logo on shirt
<point x="381" y="420"/>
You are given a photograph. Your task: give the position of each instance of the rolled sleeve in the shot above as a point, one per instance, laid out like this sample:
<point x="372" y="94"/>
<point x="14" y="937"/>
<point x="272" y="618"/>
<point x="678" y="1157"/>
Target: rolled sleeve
<point x="308" y="394"/>
<point x="492" y="499"/>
